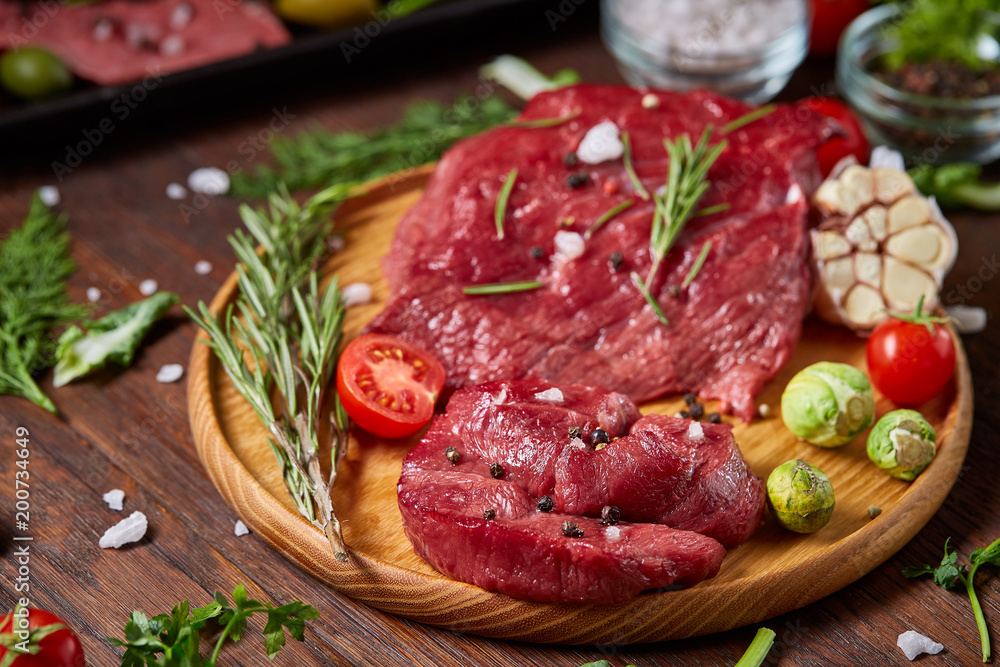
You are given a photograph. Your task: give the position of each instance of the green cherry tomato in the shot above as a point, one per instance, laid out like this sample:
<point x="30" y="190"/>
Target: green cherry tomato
<point x="32" y="73"/>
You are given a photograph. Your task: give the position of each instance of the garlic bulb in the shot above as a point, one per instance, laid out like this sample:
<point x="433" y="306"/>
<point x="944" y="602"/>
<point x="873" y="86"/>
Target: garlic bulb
<point x="880" y="245"/>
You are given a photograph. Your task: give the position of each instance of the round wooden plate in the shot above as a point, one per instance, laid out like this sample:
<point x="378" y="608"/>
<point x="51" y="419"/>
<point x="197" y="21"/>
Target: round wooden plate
<point x="776" y="571"/>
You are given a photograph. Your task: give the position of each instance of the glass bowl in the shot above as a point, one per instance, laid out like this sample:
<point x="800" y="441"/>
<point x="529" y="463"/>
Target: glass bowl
<point x="924" y="129"/>
<point x="703" y="55"/>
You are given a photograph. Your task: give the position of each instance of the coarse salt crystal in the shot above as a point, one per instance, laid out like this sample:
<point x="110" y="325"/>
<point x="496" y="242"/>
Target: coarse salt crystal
<point x="130" y="529"/>
<point x="203" y="268"/>
<point x="552" y="395"/>
<point x="578" y="443"/>
<point x="501" y="397"/>
<point x="114" y="499"/>
<point x="613" y="532"/>
<point x="794" y="195"/>
<point x="695" y="431"/>
<point x="569" y="245"/>
<point x="172" y="45"/>
<point x="148" y="287"/>
<point x="181" y="16"/>
<point x="103" y="30"/>
<point x="764" y="410"/>
<point x="601" y="143"/>
<point x="209" y="181"/>
<point x="913" y="644"/>
<point x="49" y="194"/>
<point x="170" y="373"/>
<point x="356" y="294"/>
<point x="650" y="101"/>
<point x="241" y="529"/>
<point x="93" y="294"/>
<point x="968" y="319"/>
<point x="176" y="191"/>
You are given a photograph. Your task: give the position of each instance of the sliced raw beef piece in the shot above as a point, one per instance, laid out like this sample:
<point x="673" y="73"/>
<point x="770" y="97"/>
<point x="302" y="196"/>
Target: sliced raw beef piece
<point x="524" y="426"/>
<point x="126" y="41"/>
<point x="730" y="331"/>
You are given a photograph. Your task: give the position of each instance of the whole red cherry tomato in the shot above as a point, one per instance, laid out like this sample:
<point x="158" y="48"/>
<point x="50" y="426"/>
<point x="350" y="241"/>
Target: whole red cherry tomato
<point x="830" y="19"/>
<point x="57" y="645"/>
<point x="911" y="357"/>
<point x="852" y="141"/>
<point x="387" y="386"/>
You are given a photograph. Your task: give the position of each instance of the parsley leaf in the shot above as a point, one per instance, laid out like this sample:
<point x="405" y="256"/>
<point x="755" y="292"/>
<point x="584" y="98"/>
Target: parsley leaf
<point x="173" y="640"/>
<point x="949" y="574"/>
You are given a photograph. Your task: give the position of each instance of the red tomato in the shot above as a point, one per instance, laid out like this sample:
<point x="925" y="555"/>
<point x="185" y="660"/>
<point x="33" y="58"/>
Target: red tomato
<point x="830" y="19"/>
<point x="851" y="142"/>
<point x="907" y="362"/>
<point x="388" y="386"/>
<point x="57" y="645"/>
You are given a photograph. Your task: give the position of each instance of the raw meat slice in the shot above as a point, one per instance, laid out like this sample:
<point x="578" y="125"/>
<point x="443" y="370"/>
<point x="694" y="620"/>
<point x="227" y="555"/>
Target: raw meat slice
<point x="521" y="551"/>
<point x="730" y="331"/>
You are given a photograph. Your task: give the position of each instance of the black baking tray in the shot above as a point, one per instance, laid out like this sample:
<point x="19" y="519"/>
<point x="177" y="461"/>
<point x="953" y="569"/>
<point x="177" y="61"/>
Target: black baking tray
<point x="439" y="31"/>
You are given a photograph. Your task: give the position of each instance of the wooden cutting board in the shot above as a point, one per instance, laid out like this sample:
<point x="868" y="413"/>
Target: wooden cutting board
<point x="776" y="571"/>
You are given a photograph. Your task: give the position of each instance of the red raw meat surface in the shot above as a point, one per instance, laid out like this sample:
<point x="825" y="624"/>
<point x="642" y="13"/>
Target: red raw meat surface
<point x="730" y="331"/>
<point x="683" y="498"/>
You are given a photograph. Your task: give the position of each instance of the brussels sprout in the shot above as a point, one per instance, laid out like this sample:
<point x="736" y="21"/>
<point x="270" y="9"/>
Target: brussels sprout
<point x="902" y="443"/>
<point x="828" y="404"/>
<point x="800" y="496"/>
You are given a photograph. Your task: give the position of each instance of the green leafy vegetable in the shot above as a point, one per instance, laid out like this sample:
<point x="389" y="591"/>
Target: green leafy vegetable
<point x="957" y="184"/>
<point x="502" y="288"/>
<point x="500" y="212"/>
<point x="949" y="574"/>
<point x="523" y="79"/>
<point x="289" y="329"/>
<point x="172" y="640"/>
<point x="34" y="267"/>
<point x="319" y="158"/>
<point x="943" y="30"/>
<point x="115" y="337"/>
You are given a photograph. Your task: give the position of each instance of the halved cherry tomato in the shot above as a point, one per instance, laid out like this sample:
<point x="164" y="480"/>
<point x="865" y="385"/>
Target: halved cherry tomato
<point x="50" y="641"/>
<point x="387" y="385"/>
<point x="830" y="19"/>
<point x="910" y="360"/>
<point x="851" y="142"/>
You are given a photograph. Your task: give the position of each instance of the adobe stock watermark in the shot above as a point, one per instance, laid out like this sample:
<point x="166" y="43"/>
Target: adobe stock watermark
<point x="247" y="149"/>
<point x="561" y="14"/>
<point x="962" y="294"/>
<point x="121" y="108"/>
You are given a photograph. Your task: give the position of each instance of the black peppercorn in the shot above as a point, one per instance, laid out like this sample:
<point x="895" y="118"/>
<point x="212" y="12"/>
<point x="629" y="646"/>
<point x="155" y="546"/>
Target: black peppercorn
<point x="537" y="252"/>
<point x="489" y="514"/>
<point x="570" y="159"/>
<point x="496" y="470"/>
<point x="610" y="515"/>
<point x="575" y="432"/>
<point x="690" y="399"/>
<point x="452" y="455"/>
<point x="674" y="291"/>
<point x="697" y="410"/>
<point x="577" y="179"/>
<point x="684" y="414"/>
<point x="545" y="504"/>
<point x="599" y="436"/>
<point x="616" y="260"/>
<point x="570" y="529"/>
<point x="715" y="418"/>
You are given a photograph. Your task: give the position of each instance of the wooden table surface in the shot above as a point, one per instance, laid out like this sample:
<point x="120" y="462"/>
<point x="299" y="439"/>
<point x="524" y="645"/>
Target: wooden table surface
<point x="124" y="430"/>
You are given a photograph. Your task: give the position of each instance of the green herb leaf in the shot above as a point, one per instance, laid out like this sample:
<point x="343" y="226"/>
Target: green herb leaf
<point x="758" y="649"/>
<point x="607" y="215"/>
<point x="957" y="184"/>
<point x="502" y="288"/>
<point x="34" y="267"/>
<point x="698" y="263"/>
<point x="113" y="338"/>
<point x="640" y="189"/>
<point x="748" y="118"/>
<point x="989" y="555"/>
<point x="644" y="290"/>
<point x="319" y="157"/>
<point x="500" y="212"/>
<point x="938" y="30"/>
<point x="545" y="122"/>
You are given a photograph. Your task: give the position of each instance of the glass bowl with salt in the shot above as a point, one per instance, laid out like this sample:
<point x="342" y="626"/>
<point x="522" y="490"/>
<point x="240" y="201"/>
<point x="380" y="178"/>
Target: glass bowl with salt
<point x="746" y="49"/>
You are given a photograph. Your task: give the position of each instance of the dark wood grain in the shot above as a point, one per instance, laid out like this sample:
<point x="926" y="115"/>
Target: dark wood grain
<point x="124" y="430"/>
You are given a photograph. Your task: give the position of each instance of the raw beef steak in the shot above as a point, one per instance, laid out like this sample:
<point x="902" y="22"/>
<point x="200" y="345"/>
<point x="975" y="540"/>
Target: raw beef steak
<point x="730" y="330"/>
<point x="683" y="491"/>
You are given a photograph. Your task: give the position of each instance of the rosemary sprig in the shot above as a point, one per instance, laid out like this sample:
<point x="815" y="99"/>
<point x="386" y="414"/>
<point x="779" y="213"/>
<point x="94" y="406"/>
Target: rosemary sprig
<point x="698" y="263"/>
<point x="686" y="184"/>
<point x="546" y="122"/>
<point x="278" y="343"/>
<point x="500" y="213"/>
<point x="711" y="210"/>
<point x="748" y="118"/>
<point x="640" y="189"/>
<point x="648" y="296"/>
<point x="502" y="288"/>
<point x="607" y="215"/>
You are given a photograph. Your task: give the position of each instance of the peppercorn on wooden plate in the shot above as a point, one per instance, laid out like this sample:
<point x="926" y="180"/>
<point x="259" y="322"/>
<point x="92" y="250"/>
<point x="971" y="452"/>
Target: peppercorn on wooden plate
<point x="776" y="571"/>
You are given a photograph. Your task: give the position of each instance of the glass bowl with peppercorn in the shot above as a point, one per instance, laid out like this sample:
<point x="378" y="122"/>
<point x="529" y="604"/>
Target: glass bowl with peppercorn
<point x="925" y="79"/>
